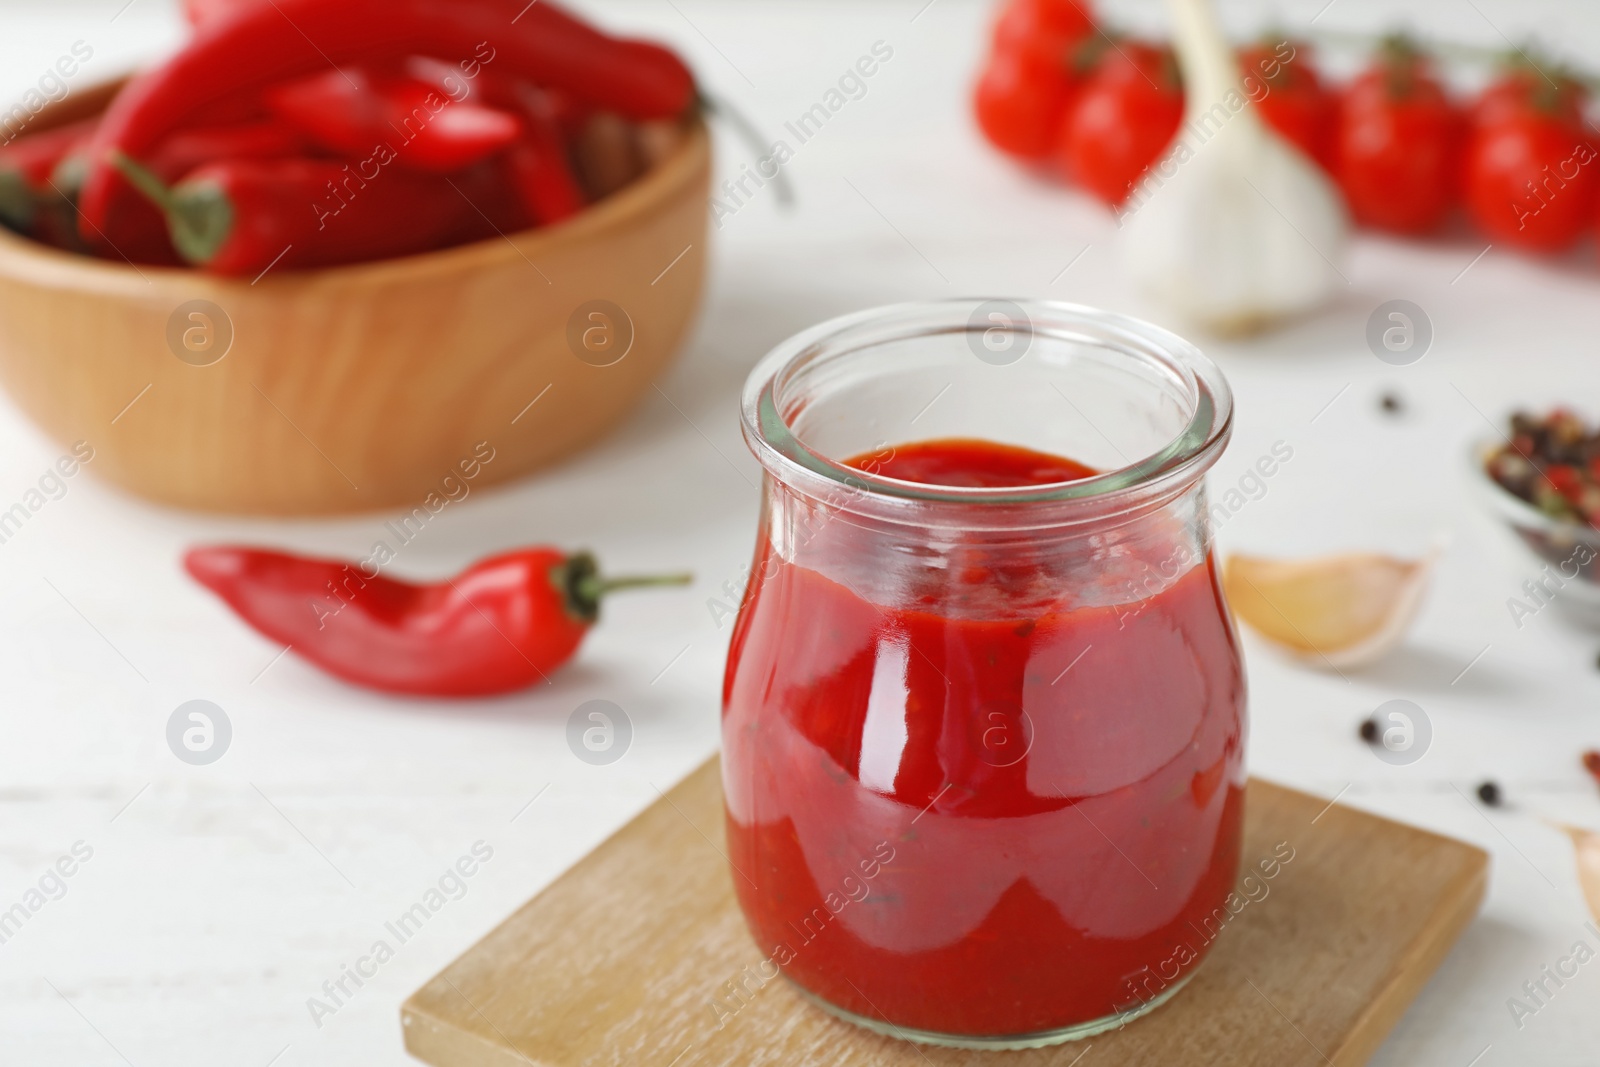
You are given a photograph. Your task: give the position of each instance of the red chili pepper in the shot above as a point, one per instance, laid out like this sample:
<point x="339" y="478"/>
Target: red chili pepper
<point x="540" y="172"/>
<point x="139" y="230"/>
<point x="27" y="166"/>
<point x="242" y="216"/>
<point x="185" y="150"/>
<point x="264" y="44"/>
<point x="544" y="183"/>
<point x="501" y="625"/>
<point x="350" y="111"/>
<point x="540" y="164"/>
<point x="40" y="177"/>
<point x="568" y="111"/>
<point x="36" y="155"/>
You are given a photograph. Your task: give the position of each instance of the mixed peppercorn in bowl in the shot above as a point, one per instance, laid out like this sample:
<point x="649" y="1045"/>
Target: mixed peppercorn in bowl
<point x="1543" y="479"/>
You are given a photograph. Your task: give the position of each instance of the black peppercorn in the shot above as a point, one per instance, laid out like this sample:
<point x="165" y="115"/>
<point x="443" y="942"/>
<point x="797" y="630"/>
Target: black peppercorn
<point x="1489" y="793"/>
<point x="1390" y="403"/>
<point x="1369" y="731"/>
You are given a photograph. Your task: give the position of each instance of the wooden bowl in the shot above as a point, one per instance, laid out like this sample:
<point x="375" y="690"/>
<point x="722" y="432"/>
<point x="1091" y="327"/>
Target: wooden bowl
<point x="364" y="386"/>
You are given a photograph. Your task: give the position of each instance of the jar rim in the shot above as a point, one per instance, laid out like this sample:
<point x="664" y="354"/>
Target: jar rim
<point x="1179" y="462"/>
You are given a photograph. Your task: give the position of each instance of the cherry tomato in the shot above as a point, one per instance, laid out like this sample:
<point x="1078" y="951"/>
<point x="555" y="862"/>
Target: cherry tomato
<point x="1019" y="102"/>
<point x="1397" y="144"/>
<point x="1281" y="79"/>
<point x="1531" y="177"/>
<point x="1049" y="28"/>
<point x="1521" y="83"/>
<point x="1124" y="118"/>
<point x="1031" y="75"/>
<point x="1530" y="173"/>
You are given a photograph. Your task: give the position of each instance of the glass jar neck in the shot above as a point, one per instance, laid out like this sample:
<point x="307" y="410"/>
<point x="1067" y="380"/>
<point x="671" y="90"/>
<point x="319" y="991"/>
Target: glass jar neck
<point x="996" y="569"/>
<point x="1140" y="405"/>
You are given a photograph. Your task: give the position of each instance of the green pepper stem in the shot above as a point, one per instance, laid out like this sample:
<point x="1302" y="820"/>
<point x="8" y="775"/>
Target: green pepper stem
<point x="582" y="586"/>
<point x="593" y="587"/>
<point x="143" y="179"/>
<point x="760" y="148"/>
<point x="199" y="215"/>
<point x="18" y="206"/>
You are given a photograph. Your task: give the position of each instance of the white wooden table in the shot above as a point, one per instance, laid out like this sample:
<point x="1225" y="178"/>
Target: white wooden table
<point x="218" y="899"/>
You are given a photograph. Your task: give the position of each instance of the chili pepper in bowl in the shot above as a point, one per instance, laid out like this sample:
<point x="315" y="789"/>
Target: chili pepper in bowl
<point x="501" y="625"/>
<point x="27" y="166"/>
<point x="544" y="183"/>
<point x="240" y="216"/>
<point x="349" y="111"/>
<point x="139" y="230"/>
<point x="540" y="171"/>
<point x="185" y="150"/>
<point x="268" y="43"/>
<point x="40" y="175"/>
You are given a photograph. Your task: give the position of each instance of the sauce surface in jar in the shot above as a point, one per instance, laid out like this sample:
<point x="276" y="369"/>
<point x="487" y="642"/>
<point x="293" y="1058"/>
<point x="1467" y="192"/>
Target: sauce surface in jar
<point x="991" y="807"/>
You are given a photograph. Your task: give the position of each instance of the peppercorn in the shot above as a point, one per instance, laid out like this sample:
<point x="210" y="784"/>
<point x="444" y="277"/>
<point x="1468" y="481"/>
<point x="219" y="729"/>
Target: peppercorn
<point x="1391" y="404"/>
<point x="1369" y="731"/>
<point x="1489" y="793"/>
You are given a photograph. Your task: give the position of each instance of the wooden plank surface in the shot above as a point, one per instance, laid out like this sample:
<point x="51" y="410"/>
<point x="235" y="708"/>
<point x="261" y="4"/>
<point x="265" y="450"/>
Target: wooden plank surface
<point x="621" y="959"/>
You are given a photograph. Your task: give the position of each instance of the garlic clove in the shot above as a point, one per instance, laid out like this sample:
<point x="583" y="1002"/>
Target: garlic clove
<point x="1235" y="228"/>
<point x="1586" y="851"/>
<point x="1340" y="611"/>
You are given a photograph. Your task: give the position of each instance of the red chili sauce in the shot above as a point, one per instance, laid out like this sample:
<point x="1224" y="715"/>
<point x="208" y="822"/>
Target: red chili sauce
<point x="993" y="823"/>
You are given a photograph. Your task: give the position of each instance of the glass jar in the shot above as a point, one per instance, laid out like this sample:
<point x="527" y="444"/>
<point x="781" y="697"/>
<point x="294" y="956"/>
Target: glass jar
<point x="983" y="748"/>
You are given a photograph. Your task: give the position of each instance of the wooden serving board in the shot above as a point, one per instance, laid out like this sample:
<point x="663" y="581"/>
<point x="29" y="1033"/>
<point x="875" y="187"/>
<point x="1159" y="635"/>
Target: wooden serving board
<point x="619" y="960"/>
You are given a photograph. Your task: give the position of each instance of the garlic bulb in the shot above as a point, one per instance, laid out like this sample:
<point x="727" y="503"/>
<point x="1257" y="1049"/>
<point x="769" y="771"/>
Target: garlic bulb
<point x="1235" y="227"/>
